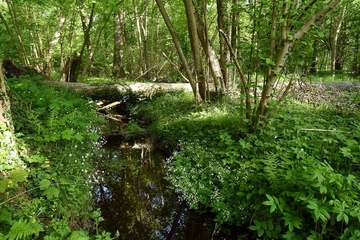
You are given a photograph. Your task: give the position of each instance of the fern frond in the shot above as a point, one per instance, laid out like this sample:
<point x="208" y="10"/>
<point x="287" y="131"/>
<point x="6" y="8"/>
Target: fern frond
<point x="271" y="166"/>
<point x="24" y="228"/>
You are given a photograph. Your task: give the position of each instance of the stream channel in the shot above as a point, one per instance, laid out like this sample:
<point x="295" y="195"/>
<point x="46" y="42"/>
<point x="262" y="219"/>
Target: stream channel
<point x="134" y="197"/>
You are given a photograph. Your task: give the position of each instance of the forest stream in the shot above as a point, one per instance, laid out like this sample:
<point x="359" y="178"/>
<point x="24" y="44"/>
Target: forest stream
<point x="134" y="196"/>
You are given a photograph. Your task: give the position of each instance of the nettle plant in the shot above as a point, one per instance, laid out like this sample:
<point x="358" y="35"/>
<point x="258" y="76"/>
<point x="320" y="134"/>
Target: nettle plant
<point x="57" y="137"/>
<point x="283" y="182"/>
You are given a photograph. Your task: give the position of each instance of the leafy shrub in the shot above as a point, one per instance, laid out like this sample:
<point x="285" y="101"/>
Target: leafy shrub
<point x="288" y="181"/>
<point x="56" y="136"/>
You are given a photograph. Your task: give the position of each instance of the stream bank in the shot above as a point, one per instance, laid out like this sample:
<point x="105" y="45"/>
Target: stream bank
<point x="132" y="193"/>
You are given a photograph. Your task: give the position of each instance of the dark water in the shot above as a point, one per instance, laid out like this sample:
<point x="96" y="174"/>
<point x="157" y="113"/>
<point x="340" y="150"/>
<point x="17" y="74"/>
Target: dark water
<point x="136" y="200"/>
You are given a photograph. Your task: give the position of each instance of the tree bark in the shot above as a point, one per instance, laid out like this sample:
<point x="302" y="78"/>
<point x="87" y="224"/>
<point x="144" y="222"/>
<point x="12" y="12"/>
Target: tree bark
<point x="195" y="46"/>
<point x="179" y="49"/>
<point x="50" y="48"/>
<point x="118" y="65"/>
<point x="282" y="55"/>
<point x="334" y="44"/>
<point x="23" y="56"/>
<point x="223" y="25"/>
<point x="7" y="143"/>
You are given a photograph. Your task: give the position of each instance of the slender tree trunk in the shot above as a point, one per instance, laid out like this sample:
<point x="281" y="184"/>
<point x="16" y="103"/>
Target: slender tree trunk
<point x="139" y="38"/>
<point x="23" y="56"/>
<point x="233" y="35"/>
<point x="51" y="46"/>
<point x="13" y="38"/>
<point x="314" y="58"/>
<point x="87" y="41"/>
<point x="283" y="54"/>
<point x="179" y="49"/>
<point x="212" y="59"/>
<point x="37" y="47"/>
<point x="195" y="46"/>
<point x="335" y="40"/>
<point x="356" y="62"/>
<point x="224" y="26"/>
<point x="118" y="66"/>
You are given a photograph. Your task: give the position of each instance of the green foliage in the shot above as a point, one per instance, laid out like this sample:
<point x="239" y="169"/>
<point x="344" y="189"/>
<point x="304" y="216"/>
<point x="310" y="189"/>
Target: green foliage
<point x="12" y="181"/>
<point x="23" y="228"/>
<point x="176" y="112"/>
<point x="325" y="76"/>
<point x="295" y="179"/>
<point x="55" y="129"/>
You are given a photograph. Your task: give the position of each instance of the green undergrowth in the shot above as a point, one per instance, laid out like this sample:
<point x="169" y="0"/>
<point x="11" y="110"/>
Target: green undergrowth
<point x="50" y="196"/>
<point x="298" y="178"/>
<point x="325" y="76"/>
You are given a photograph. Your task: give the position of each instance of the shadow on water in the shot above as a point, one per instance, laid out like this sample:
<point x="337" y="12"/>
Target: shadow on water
<point x="135" y="199"/>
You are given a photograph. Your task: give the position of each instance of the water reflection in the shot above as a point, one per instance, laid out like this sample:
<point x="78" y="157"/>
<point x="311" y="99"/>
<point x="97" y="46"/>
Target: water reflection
<point x="134" y="197"/>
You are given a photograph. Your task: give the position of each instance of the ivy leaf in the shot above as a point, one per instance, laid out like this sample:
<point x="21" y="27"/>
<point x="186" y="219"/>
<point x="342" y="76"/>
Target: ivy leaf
<point x="51" y="192"/>
<point x="18" y="176"/>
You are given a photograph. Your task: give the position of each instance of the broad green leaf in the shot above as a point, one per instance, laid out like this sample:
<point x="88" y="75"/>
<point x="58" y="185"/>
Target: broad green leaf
<point x="36" y="158"/>
<point x="267" y="203"/>
<point x="272" y="208"/>
<point x="271" y="199"/>
<point x="3" y="185"/>
<point x="261" y="190"/>
<point x="45" y="183"/>
<point x="64" y="180"/>
<point x="67" y="134"/>
<point x="240" y="194"/>
<point x="270" y="225"/>
<point x="79" y="235"/>
<point x="94" y="136"/>
<point x="254" y="228"/>
<point x="51" y="192"/>
<point x="269" y="62"/>
<point x="6" y="216"/>
<point x="260" y="232"/>
<point x="18" y="176"/>
<point x="312" y="205"/>
<point x="268" y="233"/>
<point x="257" y="223"/>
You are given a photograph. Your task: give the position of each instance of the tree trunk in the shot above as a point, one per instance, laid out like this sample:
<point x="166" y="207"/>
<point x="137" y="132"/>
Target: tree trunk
<point x="223" y="25"/>
<point x="356" y="63"/>
<point x="50" y="48"/>
<point x="195" y="46"/>
<point x="87" y="42"/>
<point x="282" y="55"/>
<point x="179" y="50"/>
<point x="15" y="42"/>
<point x="335" y="41"/>
<point x="142" y="67"/>
<point x="7" y="143"/>
<point x="212" y="59"/>
<point x="118" y="65"/>
<point x="23" y="56"/>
